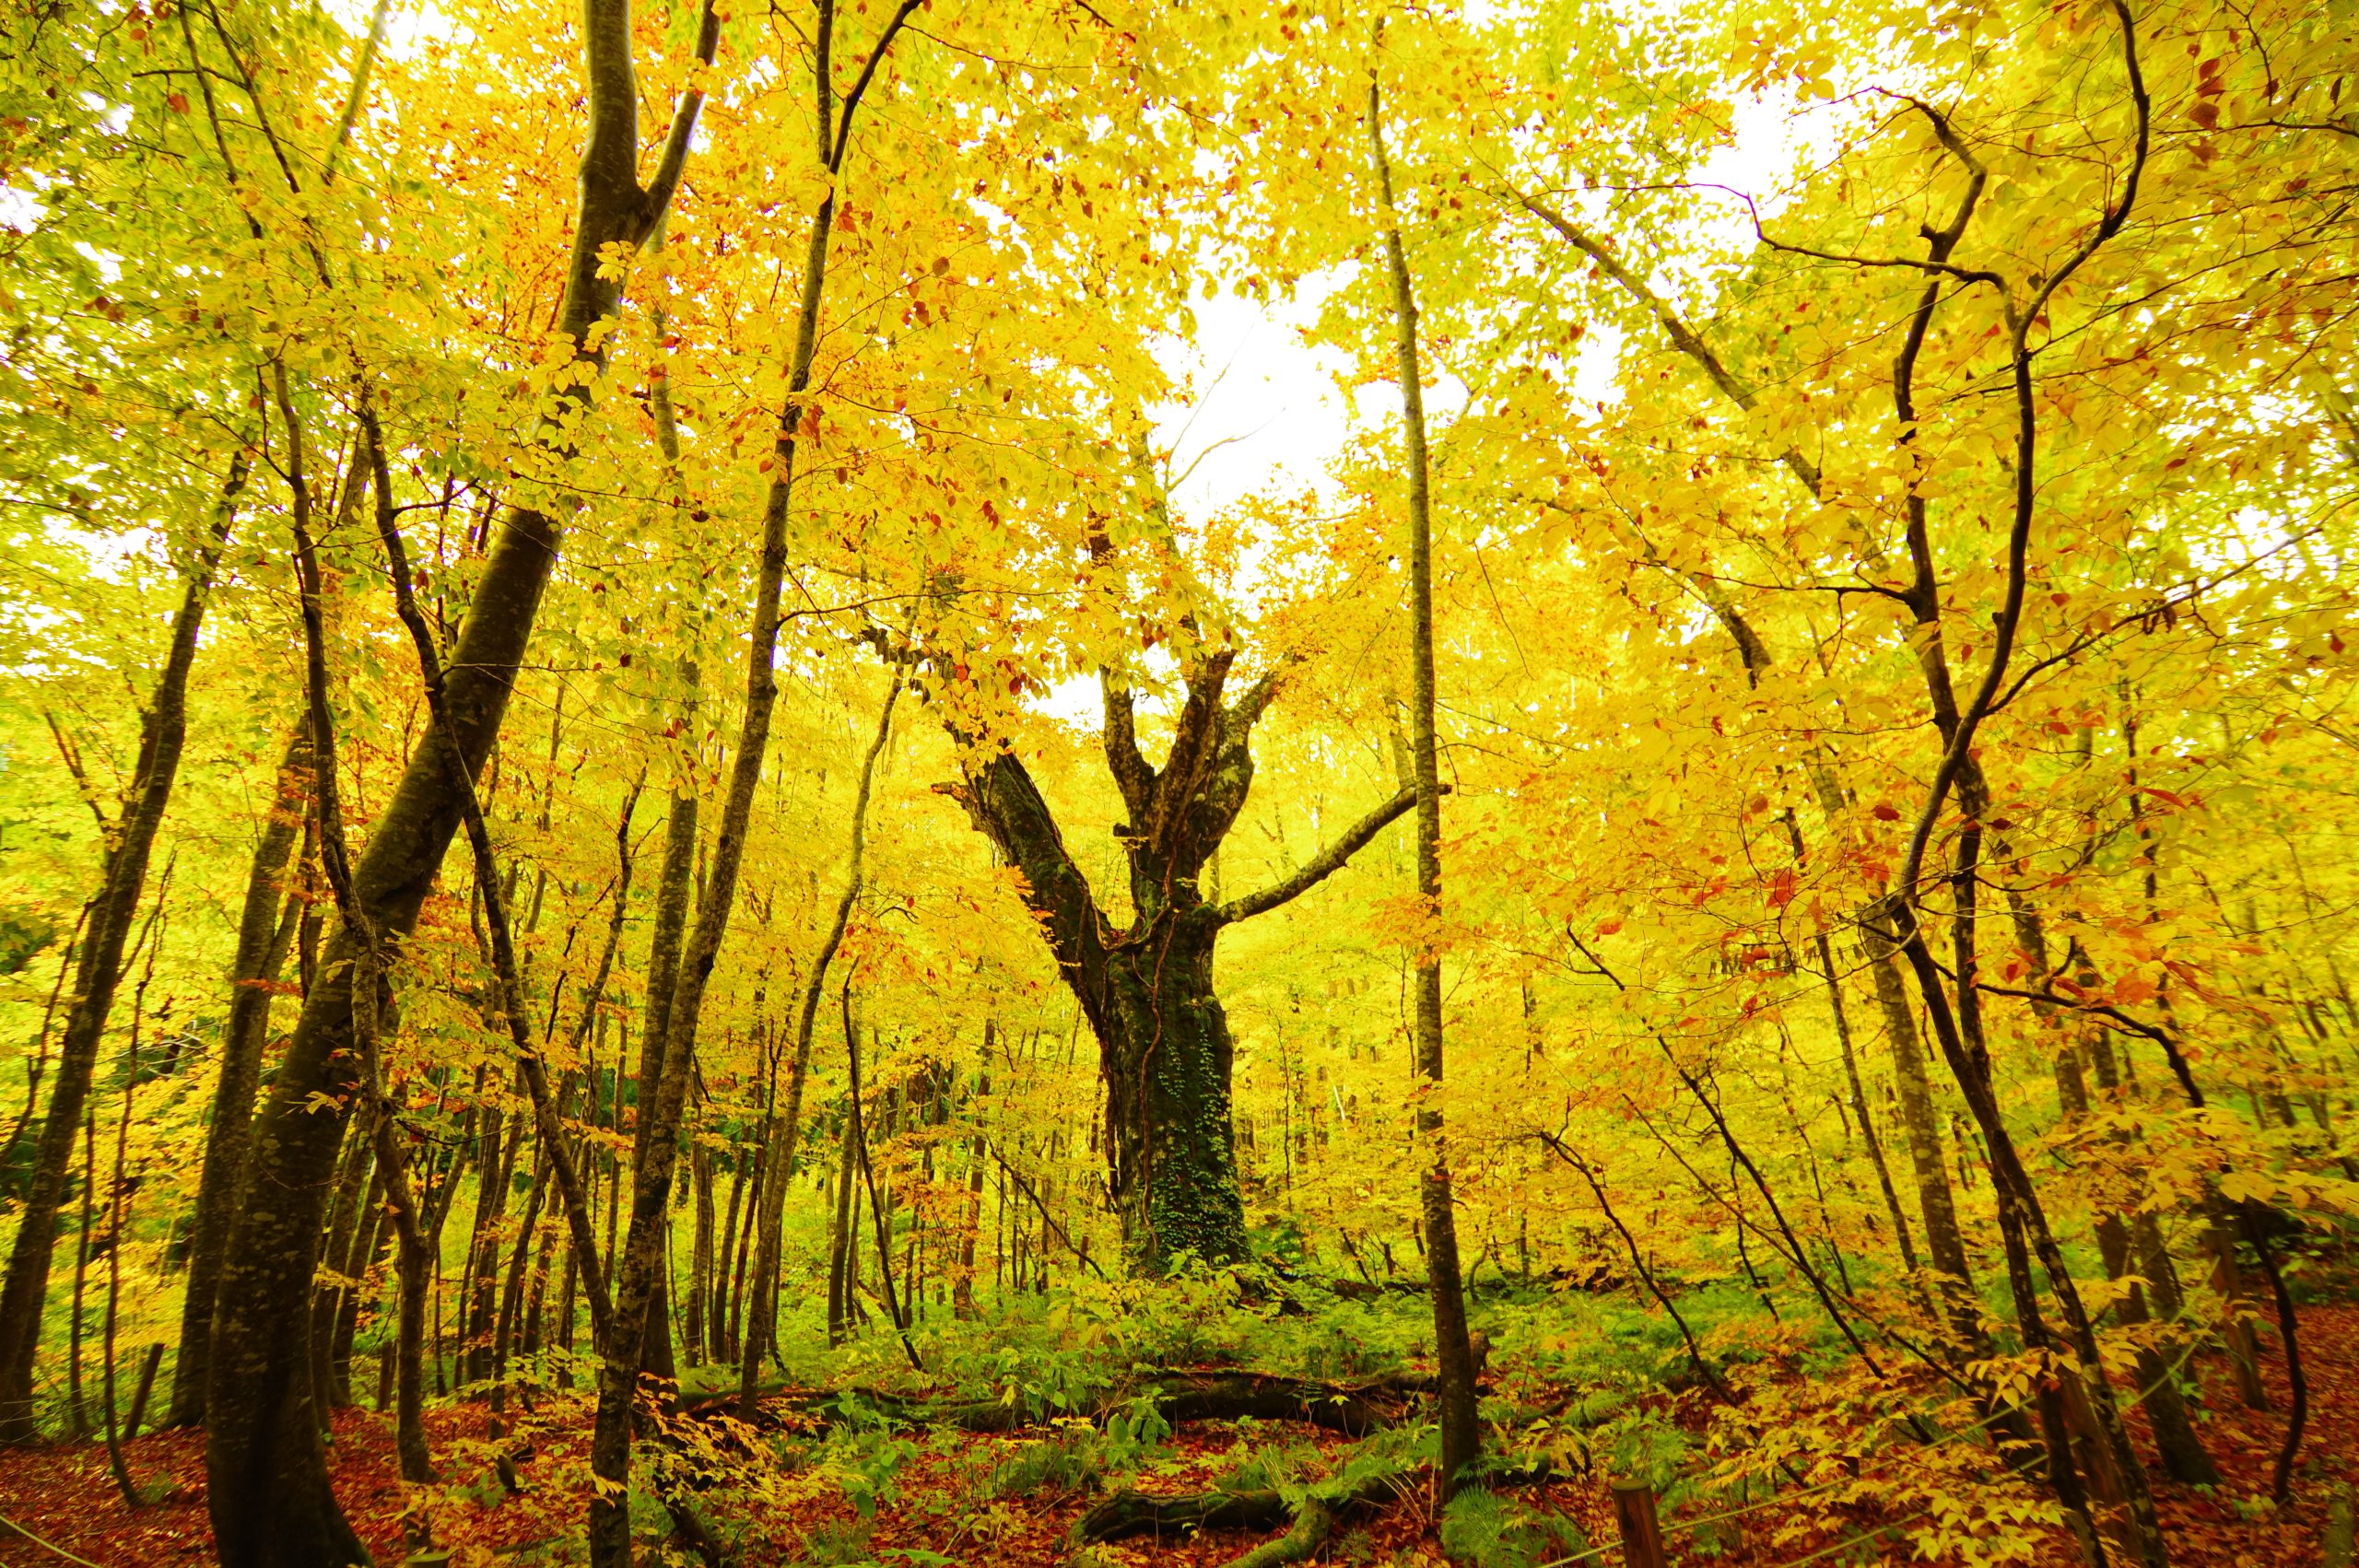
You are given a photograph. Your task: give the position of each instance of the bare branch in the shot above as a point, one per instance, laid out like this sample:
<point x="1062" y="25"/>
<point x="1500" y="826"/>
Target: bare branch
<point x="1324" y="865"/>
<point x="1247" y="711"/>
<point x="1683" y="337"/>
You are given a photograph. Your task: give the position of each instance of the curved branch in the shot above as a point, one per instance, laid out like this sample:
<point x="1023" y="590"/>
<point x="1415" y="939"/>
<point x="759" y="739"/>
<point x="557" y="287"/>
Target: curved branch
<point x="1957" y="754"/>
<point x="1247" y="711"/>
<point x="1002" y="799"/>
<point x="867" y="73"/>
<point x="1324" y="865"/>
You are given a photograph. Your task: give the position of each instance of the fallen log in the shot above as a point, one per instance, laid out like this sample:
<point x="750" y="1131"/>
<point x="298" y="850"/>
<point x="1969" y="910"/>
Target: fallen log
<point x="1182" y="1394"/>
<point x="1129" y="1512"/>
<point x="1587" y="1280"/>
<point x="1353" y="1410"/>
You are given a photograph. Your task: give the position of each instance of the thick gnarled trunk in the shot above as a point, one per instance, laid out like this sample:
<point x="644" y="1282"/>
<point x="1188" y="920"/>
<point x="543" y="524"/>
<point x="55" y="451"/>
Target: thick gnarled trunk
<point x="1163" y="1045"/>
<point x="1166" y="1055"/>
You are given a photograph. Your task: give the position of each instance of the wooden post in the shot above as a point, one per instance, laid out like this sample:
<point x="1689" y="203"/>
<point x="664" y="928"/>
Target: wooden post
<point x="1634" y="1509"/>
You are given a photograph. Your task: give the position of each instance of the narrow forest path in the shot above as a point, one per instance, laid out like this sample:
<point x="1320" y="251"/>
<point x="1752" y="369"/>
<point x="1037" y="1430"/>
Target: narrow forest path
<point x="939" y="1504"/>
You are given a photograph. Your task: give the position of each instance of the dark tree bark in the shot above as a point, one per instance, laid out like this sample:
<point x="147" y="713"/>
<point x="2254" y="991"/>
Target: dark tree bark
<point x="723" y="1292"/>
<point x="962" y="1288"/>
<point x="1957" y="1029"/>
<point x="694" y="1335"/>
<point x="353" y="1189"/>
<point x="268" y="1492"/>
<point x="368" y="1251"/>
<point x="413" y="1267"/>
<point x="499" y="1137"/>
<point x="1146" y="990"/>
<point x="877" y="1207"/>
<point x="2185" y="1460"/>
<point x="122" y="879"/>
<point x="839" y="1242"/>
<point x="671" y="896"/>
<point x="262" y="939"/>
<point x="512" y="1299"/>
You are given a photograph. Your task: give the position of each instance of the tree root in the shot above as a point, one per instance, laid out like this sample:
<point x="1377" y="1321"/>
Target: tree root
<point x="1312" y="1525"/>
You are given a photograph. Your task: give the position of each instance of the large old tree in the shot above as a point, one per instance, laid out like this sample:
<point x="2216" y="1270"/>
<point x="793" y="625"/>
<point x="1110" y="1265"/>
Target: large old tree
<point x="1146" y="985"/>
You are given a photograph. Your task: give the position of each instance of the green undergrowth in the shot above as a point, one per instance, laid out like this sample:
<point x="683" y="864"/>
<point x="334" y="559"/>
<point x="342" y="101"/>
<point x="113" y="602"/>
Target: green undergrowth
<point x="1489" y="1529"/>
<point x="1082" y="1456"/>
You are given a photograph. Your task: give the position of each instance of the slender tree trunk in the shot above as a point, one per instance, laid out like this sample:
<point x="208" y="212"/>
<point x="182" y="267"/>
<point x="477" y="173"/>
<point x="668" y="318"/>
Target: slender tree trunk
<point x="642" y="1266"/>
<point x="99" y="972"/>
<point x="414" y="1270"/>
<point x="724" y="1293"/>
<point x="671" y="897"/>
<point x="1861" y="1109"/>
<point x="695" y="1335"/>
<point x="2229" y="1284"/>
<point x="512" y="1295"/>
<point x="736" y="1330"/>
<point x="36" y="1064"/>
<point x="499" y="1137"/>
<point x="118" y="1220"/>
<point x="1461" y="1434"/>
<point x="262" y="939"/>
<point x="2185" y="1460"/>
<point x="784" y="1126"/>
<point x="1920" y="1122"/>
<point x="962" y="1289"/>
<point x="531" y="1340"/>
<point x="877" y="1207"/>
<point x="840" y="1243"/>
<point x="327" y="1299"/>
<point x="268" y="1492"/>
<point x="368" y="1251"/>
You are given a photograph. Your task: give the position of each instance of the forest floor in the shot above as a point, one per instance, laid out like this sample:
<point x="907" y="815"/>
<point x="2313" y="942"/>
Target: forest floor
<point x="936" y="1509"/>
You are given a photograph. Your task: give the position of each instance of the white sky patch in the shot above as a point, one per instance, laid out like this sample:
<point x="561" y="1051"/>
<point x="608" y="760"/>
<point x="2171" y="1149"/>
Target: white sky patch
<point x="1265" y="416"/>
<point x="408" y="28"/>
<point x="20" y="209"/>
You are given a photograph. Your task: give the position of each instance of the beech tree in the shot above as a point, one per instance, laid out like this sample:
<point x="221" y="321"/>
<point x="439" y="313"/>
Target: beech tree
<point x="1146" y="985"/>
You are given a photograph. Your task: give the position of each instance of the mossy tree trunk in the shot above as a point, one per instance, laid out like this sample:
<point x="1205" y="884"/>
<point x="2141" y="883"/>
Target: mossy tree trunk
<point x="1146" y="985"/>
